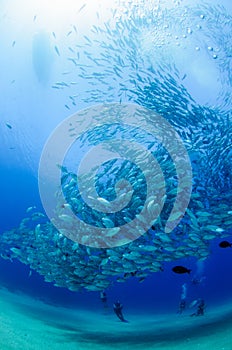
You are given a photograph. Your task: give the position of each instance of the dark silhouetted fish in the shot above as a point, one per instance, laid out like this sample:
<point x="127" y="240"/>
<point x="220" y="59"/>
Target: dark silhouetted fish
<point x="225" y="244"/>
<point x="180" y="269"/>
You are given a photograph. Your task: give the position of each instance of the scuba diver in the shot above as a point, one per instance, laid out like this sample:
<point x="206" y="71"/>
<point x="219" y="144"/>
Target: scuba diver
<point x="200" y="308"/>
<point x="118" y="311"/>
<point x="198" y="280"/>
<point x="199" y="276"/>
<point x="182" y="304"/>
<point x="103" y="298"/>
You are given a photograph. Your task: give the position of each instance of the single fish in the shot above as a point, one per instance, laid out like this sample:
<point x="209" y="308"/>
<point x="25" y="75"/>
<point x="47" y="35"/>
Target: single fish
<point x="181" y="269"/>
<point x="81" y="8"/>
<point x="225" y="244"/>
<point x="9" y="126"/>
<point x="57" y="50"/>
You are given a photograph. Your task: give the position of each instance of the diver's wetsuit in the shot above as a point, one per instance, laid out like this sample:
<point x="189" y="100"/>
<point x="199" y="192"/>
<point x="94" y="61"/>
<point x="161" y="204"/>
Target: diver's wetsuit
<point x="200" y="308"/>
<point x="182" y="306"/>
<point x="118" y="311"/>
<point x="104" y="299"/>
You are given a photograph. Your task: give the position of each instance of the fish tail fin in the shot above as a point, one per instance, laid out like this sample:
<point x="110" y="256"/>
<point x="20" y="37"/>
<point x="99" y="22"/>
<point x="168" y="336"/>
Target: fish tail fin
<point x="189" y="271"/>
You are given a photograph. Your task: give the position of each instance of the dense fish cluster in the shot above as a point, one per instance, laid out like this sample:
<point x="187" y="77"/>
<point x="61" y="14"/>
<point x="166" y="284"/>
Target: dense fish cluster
<point x="130" y="65"/>
<point x="74" y="266"/>
<point x="143" y="44"/>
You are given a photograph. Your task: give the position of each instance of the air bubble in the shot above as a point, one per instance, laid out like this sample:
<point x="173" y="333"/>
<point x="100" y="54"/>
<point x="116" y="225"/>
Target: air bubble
<point x="198" y="26"/>
<point x="184" y="36"/>
<point x="210" y="48"/>
<point x="189" y="31"/>
<point x="197" y="48"/>
<point x="214" y="56"/>
<point x="202" y="16"/>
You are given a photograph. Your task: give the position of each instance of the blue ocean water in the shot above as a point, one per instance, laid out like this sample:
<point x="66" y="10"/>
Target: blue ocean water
<point x="170" y="67"/>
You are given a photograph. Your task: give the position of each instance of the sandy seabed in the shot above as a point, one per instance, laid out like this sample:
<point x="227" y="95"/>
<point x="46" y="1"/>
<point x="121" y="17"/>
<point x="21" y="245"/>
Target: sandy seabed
<point x="27" y="323"/>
